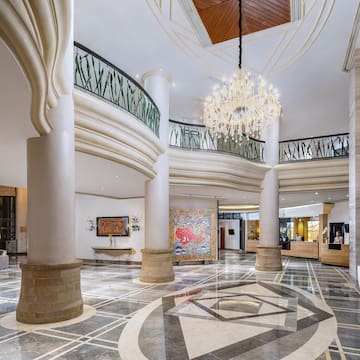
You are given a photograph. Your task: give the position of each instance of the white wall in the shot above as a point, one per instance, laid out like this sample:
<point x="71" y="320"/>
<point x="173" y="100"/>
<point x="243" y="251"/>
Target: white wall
<point x="231" y="241"/>
<point x="90" y="207"/>
<point x="192" y="203"/>
<point x="340" y="214"/>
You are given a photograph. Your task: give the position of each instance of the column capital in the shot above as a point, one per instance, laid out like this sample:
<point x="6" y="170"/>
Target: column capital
<point x="159" y="72"/>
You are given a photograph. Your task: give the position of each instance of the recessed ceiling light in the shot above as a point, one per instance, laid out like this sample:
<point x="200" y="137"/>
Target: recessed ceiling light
<point x="282" y="199"/>
<point x="116" y="176"/>
<point x="316" y="193"/>
<point x="137" y="76"/>
<point x="102" y="188"/>
<point x="173" y="84"/>
<point x="329" y="198"/>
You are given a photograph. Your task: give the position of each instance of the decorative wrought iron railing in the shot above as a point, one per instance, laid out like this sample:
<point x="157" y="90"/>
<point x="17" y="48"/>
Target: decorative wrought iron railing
<point x="97" y="76"/>
<point x="316" y="148"/>
<point x="198" y="137"/>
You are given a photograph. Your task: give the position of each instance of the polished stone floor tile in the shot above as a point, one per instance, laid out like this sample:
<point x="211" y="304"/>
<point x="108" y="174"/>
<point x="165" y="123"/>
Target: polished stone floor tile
<point x="91" y="352"/>
<point x="6" y="307"/>
<point x="347" y="317"/>
<point x="28" y="346"/>
<point x="87" y="326"/>
<point x="122" y="307"/>
<point x="349" y="337"/>
<point x="113" y="334"/>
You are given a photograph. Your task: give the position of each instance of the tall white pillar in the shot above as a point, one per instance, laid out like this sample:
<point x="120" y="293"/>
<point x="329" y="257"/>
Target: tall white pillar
<point x="157" y="255"/>
<point x="354" y="170"/>
<point x="51" y="189"/>
<point x="268" y="253"/>
<point x="50" y="287"/>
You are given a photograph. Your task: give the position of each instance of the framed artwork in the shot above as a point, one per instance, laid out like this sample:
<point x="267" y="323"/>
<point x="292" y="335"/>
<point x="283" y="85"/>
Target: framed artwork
<point x="115" y="226"/>
<point x="193" y="234"/>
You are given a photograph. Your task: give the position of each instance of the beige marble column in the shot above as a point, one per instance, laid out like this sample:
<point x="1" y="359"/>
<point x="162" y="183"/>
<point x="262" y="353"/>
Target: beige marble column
<point x="157" y="257"/>
<point x="40" y="35"/>
<point x="268" y="253"/>
<point x="21" y="220"/>
<point x="354" y="170"/>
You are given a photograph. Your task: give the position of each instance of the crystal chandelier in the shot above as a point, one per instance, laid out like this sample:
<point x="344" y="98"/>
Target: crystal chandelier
<point x="240" y="106"/>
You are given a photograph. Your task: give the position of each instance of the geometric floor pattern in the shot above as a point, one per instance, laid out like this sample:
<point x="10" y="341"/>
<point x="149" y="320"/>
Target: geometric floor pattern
<point x="224" y="295"/>
<point x="232" y="319"/>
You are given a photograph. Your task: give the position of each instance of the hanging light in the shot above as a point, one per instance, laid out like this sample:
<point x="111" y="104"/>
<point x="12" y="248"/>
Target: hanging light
<point x="240" y="106"/>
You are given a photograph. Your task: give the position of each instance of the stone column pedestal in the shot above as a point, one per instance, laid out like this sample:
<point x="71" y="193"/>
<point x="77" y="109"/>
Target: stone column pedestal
<point x="157" y="266"/>
<point x="49" y="293"/>
<point x="268" y="258"/>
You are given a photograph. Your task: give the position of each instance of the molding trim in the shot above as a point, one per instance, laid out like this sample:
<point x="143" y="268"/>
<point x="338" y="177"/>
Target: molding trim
<point x="196" y="22"/>
<point x="214" y="169"/>
<point x="109" y="196"/>
<point x="38" y="33"/>
<point x="314" y="175"/>
<point x="216" y="58"/>
<point x="350" y="52"/>
<point x="114" y="134"/>
<point x="297" y="8"/>
<point x="226" y="171"/>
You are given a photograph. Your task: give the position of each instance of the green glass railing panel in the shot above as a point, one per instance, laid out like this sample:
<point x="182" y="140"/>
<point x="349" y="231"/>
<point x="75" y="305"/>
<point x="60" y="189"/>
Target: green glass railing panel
<point x="316" y="148"/>
<point x="96" y="75"/>
<point x="197" y="137"/>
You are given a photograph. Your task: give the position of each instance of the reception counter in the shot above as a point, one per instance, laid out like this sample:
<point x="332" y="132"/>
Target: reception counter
<point x="303" y="249"/>
<point x="251" y="245"/>
<point x="330" y="254"/>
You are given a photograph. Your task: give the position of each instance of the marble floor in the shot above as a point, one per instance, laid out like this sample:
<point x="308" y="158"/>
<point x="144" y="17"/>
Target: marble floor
<point x="219" y="311"/>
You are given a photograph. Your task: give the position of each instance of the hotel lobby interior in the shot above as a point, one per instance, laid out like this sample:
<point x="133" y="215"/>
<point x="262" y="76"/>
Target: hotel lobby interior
<point x="179" y="179"/>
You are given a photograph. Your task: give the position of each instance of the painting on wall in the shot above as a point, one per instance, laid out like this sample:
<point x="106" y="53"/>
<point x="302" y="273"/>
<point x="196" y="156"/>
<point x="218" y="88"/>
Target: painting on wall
<point x="115" y="226"/>
<point x="193" y="234"/>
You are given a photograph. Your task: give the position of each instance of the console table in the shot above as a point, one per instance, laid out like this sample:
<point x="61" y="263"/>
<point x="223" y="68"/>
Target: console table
<point x="112" y="251"/>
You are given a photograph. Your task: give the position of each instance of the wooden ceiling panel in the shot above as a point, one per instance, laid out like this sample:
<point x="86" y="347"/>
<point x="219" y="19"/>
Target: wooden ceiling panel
<point x="221" y="17"/>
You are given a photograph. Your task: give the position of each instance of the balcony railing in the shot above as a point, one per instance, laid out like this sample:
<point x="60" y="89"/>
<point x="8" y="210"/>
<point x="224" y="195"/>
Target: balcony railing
<point x="316" y="148"/>
<point x="198" y="137"/>
<point x="97" y="76"/>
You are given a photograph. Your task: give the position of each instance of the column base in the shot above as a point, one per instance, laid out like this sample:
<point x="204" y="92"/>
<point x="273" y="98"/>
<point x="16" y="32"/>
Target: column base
<point x="268" y="258"/>
<point x="49" y="293"/>
<point x="157" y="266"/>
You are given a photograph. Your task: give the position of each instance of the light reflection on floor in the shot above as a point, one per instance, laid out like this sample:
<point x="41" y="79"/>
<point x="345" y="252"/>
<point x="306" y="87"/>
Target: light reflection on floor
<point x="117" y="299"/>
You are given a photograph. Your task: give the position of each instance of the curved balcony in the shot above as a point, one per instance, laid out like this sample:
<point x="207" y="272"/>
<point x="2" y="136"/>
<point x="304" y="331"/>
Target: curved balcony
<point x="199" y="138"/>
<point x="314" y="148"/>
<point x="97" y="76"/>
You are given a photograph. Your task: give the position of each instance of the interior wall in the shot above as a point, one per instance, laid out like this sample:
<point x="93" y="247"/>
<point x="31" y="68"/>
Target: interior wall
<point x="231" y="241"/>
<point x="89" y="207"/>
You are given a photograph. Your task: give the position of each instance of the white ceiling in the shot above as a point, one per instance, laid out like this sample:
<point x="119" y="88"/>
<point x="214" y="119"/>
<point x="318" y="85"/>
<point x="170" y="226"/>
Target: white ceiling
<point x="107" y="178"/>
<point x="303" y="59"/>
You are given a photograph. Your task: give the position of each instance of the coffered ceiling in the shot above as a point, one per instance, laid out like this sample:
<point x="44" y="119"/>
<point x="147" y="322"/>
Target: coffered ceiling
<point x="221" y="17"/>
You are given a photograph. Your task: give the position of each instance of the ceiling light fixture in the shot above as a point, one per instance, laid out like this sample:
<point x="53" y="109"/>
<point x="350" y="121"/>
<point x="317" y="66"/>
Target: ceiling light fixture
<point x="239" y="106"/>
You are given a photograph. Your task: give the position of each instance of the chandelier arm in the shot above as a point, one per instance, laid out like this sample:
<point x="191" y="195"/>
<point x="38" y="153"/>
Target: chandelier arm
<point x="240" y="34"/>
